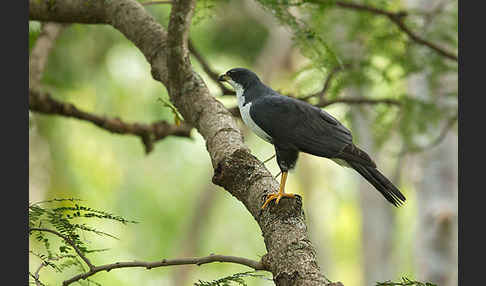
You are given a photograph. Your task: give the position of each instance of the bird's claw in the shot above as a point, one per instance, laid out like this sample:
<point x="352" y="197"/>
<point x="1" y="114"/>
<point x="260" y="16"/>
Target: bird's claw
<point x="278" y="196"/>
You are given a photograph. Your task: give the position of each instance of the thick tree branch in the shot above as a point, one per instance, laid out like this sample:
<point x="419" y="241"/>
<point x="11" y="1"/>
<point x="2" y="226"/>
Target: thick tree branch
<point x="291" y="257"/>
<point x="92" y="12"/>
<point x="149" y="133"/>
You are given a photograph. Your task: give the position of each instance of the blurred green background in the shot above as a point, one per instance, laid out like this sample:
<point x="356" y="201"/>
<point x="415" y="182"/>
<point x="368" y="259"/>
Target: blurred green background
<point x="169" y="191"/>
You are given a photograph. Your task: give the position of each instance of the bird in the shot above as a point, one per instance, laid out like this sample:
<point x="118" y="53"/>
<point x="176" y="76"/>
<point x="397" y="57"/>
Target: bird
<point x="294" y="126"/>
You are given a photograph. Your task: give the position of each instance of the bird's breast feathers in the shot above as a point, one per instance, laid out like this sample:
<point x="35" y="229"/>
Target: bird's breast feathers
<point x="245" y="113"/>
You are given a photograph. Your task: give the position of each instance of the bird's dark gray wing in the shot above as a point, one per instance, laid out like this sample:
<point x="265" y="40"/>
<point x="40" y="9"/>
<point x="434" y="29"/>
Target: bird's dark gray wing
<point x="297" y="124"/>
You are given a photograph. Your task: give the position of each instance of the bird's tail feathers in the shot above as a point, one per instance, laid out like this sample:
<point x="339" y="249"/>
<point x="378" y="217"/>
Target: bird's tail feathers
<point x="380" y="182"/>
<point x="351" y="152"/>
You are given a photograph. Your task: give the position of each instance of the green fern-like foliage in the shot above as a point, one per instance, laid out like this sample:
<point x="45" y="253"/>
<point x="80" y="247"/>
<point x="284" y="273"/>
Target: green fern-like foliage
<point x="64" y="217"/>
<point x="232" y="280"/>
<point x="376" y="56"/>
<point x="405" y="282"/>
<point x="312" y="45"/>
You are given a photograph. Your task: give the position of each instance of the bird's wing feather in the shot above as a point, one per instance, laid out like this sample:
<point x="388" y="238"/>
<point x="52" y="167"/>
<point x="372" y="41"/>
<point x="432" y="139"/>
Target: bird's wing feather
<point x="300" y="125"/>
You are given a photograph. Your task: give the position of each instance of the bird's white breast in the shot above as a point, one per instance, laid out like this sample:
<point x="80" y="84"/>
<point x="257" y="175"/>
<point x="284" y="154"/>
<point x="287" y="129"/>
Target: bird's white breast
<point x="245" y="113"/>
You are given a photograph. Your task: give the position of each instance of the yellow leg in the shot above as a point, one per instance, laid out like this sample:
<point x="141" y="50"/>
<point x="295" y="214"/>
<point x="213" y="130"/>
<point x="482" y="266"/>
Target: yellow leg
<point x="281" y="192"/>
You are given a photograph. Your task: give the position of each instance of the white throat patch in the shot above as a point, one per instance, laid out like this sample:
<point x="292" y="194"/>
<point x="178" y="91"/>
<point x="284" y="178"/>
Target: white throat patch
<point x="245" y="112"/>
<point x="239" y="92"/>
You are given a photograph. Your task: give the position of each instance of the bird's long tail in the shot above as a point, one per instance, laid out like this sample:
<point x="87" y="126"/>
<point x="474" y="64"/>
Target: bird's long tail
<point x="380" y="182"/>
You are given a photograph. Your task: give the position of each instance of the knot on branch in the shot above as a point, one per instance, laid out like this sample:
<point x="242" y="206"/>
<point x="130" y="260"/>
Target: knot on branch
<point x="286" y="279"/>
<point x="287" y="209"/>
<point x="237" y="171"/>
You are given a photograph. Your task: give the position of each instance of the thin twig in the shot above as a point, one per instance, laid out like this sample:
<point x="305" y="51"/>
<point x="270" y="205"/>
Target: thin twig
<point x="67" y="240"/>
<point x="370" y="9"/>
<point x="156" y="2"/>
<point x="43" y="264"/>
<point x="257" y="265"/>
<point x="36" y="280"/>
<point x="36" y="275"/>
<point x="327" y="84"/>
<point x="208" y="70"/>
<point x="149" y="133"/>
<point x="273" y="156"/>
<point x="442" y="135"/>
<point x="360" y="101"/>
<point x="324" y="103"/>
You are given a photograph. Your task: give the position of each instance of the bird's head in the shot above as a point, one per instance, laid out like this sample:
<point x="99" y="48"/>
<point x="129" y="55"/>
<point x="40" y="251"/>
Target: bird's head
<point x="239" y="78"/>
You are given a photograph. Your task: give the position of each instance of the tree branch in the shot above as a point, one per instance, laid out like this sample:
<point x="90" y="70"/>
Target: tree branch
<point x="36" y="274"/>
<point x="326" y="86"/>
<point x="442" y="135"/>
<point x="42" y="265"/>
<point x="207" y="69"/>
<point x="148" y="3"/>
<point x="257" y="265"/>
<point x="389" y="101"/>
<point x="40" y="51"/>
<point x="149" y="133"/>
<point x="167" y="262"/>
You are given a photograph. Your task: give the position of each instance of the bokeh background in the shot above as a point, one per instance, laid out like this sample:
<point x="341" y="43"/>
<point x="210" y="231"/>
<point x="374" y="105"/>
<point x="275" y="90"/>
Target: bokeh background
<point x="360" y="238"/>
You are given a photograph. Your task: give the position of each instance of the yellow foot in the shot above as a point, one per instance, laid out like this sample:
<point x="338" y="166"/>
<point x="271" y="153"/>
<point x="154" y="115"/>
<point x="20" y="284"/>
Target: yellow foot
<point x="278" y="197"/>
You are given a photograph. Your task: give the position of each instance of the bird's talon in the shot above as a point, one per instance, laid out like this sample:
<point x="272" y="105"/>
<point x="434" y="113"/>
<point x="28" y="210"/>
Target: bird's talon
<point x="278" y="196"/>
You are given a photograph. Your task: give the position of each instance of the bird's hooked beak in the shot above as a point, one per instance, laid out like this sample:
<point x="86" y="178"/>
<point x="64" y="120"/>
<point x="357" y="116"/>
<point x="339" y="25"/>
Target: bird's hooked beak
<point x="224" y="77"/>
